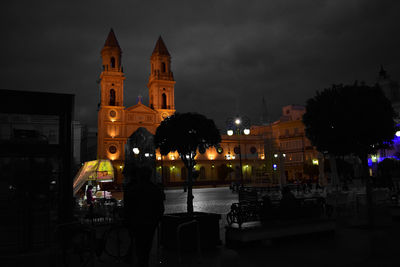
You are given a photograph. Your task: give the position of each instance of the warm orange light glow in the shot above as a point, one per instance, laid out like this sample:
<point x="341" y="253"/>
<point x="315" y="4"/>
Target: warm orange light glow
<point x="211" y="156"/>
<point x="262" y="156"/>
<point x="113" y="130"/>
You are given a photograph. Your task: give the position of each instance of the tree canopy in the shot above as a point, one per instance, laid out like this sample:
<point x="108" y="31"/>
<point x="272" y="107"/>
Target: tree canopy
<point x="187" y="133"/>
<point x="352" y="119"/>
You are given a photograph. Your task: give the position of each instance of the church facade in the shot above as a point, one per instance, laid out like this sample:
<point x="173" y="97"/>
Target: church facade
<point x="117" y="122"/>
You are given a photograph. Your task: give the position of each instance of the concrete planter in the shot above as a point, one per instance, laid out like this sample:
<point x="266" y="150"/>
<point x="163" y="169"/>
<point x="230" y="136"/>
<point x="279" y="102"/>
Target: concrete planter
<point x="208" y="227"/>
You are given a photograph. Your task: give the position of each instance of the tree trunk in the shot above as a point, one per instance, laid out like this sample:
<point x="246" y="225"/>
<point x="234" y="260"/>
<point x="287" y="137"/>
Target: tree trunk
<point x="368" y="189"/>
<point x="189" y="191"/>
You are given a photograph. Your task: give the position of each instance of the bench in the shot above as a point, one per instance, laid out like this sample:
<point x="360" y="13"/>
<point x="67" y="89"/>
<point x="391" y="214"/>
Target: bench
<point x="252" y="220"/>
<point x="247" y="210"/>
<point x="243" y="212"/>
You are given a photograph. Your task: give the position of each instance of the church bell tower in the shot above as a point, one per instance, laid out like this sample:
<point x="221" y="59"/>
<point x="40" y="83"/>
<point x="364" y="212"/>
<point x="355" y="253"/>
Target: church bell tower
<point x="111" y="113"/>
<point x="161" y="82"/>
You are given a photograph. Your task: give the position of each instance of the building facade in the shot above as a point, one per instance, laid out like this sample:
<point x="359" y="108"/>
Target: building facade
<point x="271" y="154"/>
<point x="117" y="122"/>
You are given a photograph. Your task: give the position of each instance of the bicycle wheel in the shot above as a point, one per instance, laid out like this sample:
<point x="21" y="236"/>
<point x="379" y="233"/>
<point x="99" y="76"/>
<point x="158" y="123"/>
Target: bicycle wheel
<point x="117" y="242"/>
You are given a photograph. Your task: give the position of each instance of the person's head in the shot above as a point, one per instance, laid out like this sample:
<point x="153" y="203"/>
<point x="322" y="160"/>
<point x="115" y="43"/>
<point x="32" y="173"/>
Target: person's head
<point x="90" y="187"/>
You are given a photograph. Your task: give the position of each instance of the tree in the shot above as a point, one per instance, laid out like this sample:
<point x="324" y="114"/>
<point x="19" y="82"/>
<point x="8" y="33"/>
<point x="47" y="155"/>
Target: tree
<point x="352" y="119"/>
<point x="187" y="133"/>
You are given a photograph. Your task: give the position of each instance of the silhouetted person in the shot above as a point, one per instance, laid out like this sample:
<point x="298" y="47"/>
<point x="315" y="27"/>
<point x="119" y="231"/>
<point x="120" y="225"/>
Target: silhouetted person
<point x="144" y="207"/>
<point x="90" y="200"/>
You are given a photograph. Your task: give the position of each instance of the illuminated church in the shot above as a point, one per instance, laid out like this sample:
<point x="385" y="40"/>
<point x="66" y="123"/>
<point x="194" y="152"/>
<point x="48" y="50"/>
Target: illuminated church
<point x="117" y="122"/>
<point x="273" y="153"/>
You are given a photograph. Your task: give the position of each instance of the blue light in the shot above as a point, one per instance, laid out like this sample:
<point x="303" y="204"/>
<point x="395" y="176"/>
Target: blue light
<point x="389" y="153"/>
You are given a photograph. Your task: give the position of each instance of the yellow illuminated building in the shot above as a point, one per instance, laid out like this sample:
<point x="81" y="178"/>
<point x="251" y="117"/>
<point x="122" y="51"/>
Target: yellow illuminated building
<point x="282" y="143"/>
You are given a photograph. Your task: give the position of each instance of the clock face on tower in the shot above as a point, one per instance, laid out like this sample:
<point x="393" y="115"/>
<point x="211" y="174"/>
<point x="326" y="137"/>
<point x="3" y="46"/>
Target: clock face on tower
<point x="113" y="113"/>
<point x="112" y="149"/>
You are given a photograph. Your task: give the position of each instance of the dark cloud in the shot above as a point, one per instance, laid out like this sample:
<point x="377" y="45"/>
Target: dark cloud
<point x="227" y="55"/>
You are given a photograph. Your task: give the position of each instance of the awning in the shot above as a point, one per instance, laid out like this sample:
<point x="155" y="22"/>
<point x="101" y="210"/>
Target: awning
<point x="100" y="170"/>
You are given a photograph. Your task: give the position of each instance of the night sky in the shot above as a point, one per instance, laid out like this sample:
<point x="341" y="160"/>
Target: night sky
<point x="226" y="55"/>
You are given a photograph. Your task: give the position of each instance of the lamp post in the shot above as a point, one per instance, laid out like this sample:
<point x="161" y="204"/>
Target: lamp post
<point x="280" y="159"/>
<point x="238" y="125"/>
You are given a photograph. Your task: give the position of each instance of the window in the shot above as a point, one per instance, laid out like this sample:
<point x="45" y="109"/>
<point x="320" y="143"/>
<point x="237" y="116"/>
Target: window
<point x="112" y="62"/>
<point x="112" y="97"/>
<point x="164" y="101"/>
<point x="162" y="66"/>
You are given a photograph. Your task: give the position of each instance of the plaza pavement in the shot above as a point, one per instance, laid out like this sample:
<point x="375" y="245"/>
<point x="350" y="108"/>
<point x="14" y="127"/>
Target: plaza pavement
<point x="351" y="245"/>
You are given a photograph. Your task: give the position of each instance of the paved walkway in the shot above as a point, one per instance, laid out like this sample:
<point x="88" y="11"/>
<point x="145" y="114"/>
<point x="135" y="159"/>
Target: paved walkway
<point x="350" y="246"/>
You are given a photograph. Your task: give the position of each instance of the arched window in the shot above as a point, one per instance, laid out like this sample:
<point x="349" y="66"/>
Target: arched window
<point x="151" y="102"/>
<point x="112" y="62"/>
<point x="162" y="66"/>
<point x="164" y="101"/>
<point x="112" y="97"/>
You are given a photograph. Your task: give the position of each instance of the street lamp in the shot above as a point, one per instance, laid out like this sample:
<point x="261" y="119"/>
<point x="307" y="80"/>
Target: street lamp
<point x="279" y="165"/>
<point x="238" y="125"/>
